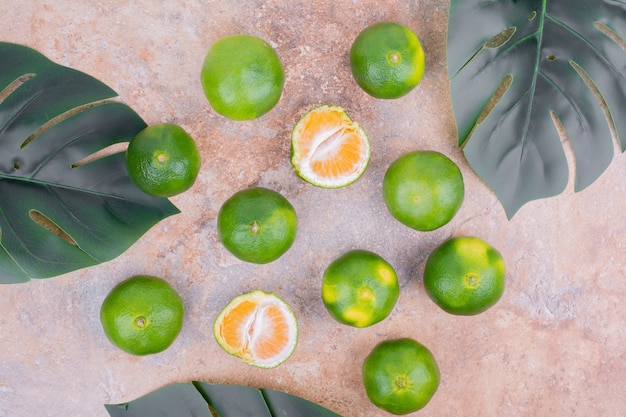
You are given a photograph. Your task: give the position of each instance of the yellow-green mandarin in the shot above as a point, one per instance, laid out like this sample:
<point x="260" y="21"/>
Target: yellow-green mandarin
<point x="142" y="315"/>
<point x="423" y="189"/>
<point x="242" y="77"/>
<point x="387" y="60"/>
<point x="465" y="275"/>
<point x="257" y="225"/>
<point x="360" y="288"/>
<point x="386" y="275"/>
<point x="400" y="376"/>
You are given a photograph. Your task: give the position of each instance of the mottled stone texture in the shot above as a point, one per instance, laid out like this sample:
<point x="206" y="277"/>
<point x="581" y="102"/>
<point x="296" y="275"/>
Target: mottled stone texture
<point x="553" y="346"/>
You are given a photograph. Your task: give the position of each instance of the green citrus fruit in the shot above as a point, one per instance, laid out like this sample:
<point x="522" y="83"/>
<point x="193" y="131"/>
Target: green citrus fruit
<point x="400" y="376"/>
<point x="387" y="60"/>
<point x="242" y="77"/>
<point x="257" y="225"/>
<point x="465" y="275"/>
<point x="423" y="189"/>
<point x="360" y="288"/>
<point x="163" y="160"/>
<point x="142" y="315"/>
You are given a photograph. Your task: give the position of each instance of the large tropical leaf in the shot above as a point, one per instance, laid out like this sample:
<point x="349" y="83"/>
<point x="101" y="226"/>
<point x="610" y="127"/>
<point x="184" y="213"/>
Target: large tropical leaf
<point x="549" y="63"/>
<point x="65" y="202"/>
<point x="197" y="399"/>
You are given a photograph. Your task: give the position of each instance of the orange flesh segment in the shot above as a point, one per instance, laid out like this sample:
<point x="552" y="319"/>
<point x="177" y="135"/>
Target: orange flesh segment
<point x="331" y="145"/>
<point x="338" y="155"/>
<point x="234" y="325"/>
<point x="274" y="335"/>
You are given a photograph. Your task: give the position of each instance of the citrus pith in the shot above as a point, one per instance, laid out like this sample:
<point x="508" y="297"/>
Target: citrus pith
<point x="465" y="275"/>
<point x="242" y="77"/>
<point x="163" y="160"/>
<point x="328" y="148"/>
<point x="423" y="189"/>
<point x="257" y="225"/>
<point x="359" y="288"/>
<point x="387" y="60"/>
<point x="142" y="315"/>
<point x="258" y="327"/>
<point x="400" y="376"/>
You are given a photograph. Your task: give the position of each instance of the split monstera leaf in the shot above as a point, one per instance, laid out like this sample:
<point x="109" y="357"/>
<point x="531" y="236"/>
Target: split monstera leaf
<point x="201" y="399"/>
<point x="518" y="70"/>
<point x="65" y="202"/>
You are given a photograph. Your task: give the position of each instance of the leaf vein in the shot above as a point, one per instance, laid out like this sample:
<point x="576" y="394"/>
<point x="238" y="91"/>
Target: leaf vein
<point x="533" y="87"/>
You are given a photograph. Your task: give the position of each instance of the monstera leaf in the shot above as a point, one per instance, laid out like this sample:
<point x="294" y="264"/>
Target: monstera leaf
<point x="201" y="399"/>
<point x="523" y="71"/>
<point x="65" y="202"/>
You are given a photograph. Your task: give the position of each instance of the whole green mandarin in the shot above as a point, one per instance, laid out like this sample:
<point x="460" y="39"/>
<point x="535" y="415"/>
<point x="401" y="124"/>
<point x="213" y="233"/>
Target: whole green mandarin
<point x="142" y="315"/>
<point x="360" y="288"/>
<point x="465" y="275"/>
<point x="387" y="60"/>
<point x="257" y="225"/>
<point x="163" y="160"/>
<point x="400" y="376"/>
<point x="423" y="189"/>
<point x="242" y="77"/>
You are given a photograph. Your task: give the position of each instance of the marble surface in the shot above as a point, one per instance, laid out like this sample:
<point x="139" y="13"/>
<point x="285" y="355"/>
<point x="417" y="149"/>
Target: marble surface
<point x="554" y="344"/>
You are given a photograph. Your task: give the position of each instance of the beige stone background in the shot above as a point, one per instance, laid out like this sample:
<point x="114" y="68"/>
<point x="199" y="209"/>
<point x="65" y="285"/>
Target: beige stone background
<point x="554" y="345"/>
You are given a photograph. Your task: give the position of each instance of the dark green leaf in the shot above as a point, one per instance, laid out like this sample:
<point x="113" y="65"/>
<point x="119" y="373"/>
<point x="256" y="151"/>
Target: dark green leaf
<point x="234" y="400"/>
<point x="180" y="400"/>
<point x="288" y="405"/>
<point x="557" y="63"/>
<point x="177" y="400"/>
<point x="65" y="202"/>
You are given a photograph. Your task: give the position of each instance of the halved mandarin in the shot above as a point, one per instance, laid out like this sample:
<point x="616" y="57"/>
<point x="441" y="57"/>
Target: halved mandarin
<point x="258" y="327"/>
<point x="328" y="148"/>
